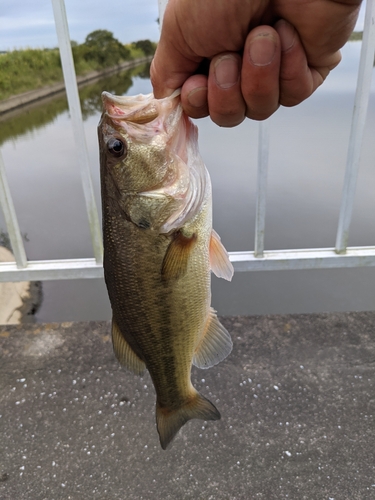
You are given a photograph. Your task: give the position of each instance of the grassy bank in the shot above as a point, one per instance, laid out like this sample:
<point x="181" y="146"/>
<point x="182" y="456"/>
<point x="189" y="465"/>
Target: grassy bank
<point x="356" y="36"/>
<point x="40" y="114"/>
<point x="30" y="69"/>
<point x="23" y="70"/>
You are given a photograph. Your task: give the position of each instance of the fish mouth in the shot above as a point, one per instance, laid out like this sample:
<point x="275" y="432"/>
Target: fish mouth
<point x="140" y="109"/>
<point x="135" y="101"/>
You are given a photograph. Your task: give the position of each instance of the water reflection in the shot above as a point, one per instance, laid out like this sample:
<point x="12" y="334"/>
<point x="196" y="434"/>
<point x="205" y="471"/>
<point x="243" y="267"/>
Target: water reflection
<point x="308" y="152"/>
<point x="26" y="120"/>
<point x="119" y="84"/>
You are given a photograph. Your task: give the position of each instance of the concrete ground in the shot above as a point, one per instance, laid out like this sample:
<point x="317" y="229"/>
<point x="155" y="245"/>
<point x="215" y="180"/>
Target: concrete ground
<point x="296" y="396"/>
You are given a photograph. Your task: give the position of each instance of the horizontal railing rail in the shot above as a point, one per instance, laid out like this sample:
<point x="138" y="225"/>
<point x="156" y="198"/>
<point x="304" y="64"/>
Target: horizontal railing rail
<point x="260" y="259"/>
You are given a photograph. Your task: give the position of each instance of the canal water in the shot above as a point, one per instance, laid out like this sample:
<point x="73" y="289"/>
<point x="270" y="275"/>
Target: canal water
<point x="308" y="151"/>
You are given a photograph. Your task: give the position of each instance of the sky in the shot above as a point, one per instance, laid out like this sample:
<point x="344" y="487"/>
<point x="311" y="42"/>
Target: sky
<point x="25" y="23"/>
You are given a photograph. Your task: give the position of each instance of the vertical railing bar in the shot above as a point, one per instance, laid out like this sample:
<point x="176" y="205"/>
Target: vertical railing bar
<point x="77" y="124"/>
<point x="11" y="221"/>
<point x="357" y="127"/>
<point x="260" y="217"/>
<point x="162" y="4"/>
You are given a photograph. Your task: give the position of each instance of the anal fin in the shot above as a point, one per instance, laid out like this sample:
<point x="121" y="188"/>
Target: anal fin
<point x="219" y="258"/>
<point x="124" y="353"/>
<point x="215" y="344"/>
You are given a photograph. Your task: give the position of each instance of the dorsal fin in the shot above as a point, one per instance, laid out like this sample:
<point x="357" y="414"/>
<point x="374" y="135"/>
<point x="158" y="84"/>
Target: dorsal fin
<point x="219" y="258"/>
<point x="124" y="353"/>
<point x="215" y="344"/>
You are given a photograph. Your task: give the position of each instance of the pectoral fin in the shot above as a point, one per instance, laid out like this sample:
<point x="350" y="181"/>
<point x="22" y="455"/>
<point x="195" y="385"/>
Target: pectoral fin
<point x="124" y="353"/>
<point x="176" y="259"/>
<point x="219" y="258"/>
<point x="215" y="344"/>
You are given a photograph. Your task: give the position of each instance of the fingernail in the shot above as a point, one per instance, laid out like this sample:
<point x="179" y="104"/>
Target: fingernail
<point x="198" y="97"/>
<point x="287" y="35"/>
<point x="227" y="71"/>
<point x="262" y="50"/>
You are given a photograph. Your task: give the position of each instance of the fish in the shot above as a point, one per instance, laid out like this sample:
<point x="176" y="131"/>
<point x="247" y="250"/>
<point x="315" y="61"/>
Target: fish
<point x="159" y="251"/>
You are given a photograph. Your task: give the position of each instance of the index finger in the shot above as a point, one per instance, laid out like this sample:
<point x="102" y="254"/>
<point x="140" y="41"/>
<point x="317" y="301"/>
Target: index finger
<point x="171" y="65"/>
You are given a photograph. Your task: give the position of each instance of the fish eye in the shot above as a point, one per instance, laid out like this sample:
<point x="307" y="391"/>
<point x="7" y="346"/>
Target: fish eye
<point x="116" y="147"/>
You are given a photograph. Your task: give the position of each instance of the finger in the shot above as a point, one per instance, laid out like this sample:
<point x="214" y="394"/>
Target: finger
<point x="225" y="103"/>
<point x="194" y="96"/>
<point x="169" y="70"/>
<point x="260" y="72"/>
<point x="297" y="80"/>
<point x="173" y="61"/>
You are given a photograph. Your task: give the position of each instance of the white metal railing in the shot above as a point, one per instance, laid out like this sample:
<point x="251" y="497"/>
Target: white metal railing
<point x="260" y="259"/>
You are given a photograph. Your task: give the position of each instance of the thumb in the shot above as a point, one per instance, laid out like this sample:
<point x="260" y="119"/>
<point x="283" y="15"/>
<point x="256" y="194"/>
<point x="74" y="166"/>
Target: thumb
<point x="174" y="61"/>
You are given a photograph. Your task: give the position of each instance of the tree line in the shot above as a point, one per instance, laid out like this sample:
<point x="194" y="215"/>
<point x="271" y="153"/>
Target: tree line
<point x="29" y="69"/>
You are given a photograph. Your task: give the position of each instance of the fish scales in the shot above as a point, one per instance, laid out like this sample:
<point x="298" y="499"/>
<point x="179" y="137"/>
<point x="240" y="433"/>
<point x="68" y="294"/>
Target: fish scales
<point x="166" y="322"/>
<point x="159" y="248"/>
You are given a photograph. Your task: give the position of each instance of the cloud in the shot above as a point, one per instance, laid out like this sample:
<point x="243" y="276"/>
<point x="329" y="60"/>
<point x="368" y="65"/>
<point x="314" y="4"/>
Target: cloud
<point x="31" y="24"/>
<point x="11" y="24"/>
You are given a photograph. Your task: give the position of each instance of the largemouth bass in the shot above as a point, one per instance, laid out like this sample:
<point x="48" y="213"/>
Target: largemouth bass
<point x="159" y="250"/>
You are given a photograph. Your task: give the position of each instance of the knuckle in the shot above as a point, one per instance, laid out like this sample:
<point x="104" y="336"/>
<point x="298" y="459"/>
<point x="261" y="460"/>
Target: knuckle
<point x="227" y="121"/>
<point x="260" y="113"/>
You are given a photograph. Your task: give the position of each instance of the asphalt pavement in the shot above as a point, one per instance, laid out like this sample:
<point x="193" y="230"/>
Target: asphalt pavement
<point x="296" y="396"/>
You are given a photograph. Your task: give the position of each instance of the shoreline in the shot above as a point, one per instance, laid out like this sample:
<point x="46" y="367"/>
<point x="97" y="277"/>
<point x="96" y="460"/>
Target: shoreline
<point x="20" y="100"/>
<point x="18" y="301"/>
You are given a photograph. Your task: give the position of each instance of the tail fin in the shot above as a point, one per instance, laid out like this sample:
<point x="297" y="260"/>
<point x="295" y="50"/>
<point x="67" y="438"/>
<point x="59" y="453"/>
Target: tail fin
<point x="169" y="422"/>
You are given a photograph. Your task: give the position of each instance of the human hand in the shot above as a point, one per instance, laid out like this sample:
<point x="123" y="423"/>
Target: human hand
<point x="261" y="53"/>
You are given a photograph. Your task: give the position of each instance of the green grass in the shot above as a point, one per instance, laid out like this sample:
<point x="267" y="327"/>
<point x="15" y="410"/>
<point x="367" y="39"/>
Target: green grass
<point x="356" y="36"/>
<point x="30" y="69"/>
<point x="38" y="115"/>
<point x="134" y="52"/>
<point x="23" y="70"/>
